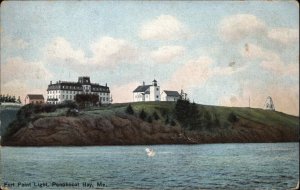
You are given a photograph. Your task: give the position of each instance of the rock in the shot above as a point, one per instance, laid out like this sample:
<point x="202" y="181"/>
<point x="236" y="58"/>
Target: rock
<point x="129" y="130"/>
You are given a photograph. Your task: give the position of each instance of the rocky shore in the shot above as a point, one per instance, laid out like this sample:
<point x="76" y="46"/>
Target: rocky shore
<point x="124" y="129"/>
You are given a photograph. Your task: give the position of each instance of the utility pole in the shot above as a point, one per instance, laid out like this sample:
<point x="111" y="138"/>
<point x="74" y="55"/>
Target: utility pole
<point x="249" y="101"/>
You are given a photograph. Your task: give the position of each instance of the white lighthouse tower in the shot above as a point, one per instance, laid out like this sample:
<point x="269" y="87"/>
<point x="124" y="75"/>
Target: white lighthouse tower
<point x="154" y="91"/>
<point x="269" y="105"/>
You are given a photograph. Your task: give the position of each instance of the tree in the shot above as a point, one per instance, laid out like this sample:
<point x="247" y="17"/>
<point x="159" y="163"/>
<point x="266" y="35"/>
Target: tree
<point x="155" y="116"/>
<point x="87" y="99"/>
<point x="232" y="118"/>
<point x="8" y="98"/>
<point x="167" y="121"/>
<point x="217" y="122"/>
<point x="182" y="111"/>
<point x="173" y="123"/>
<point x="194" y="117"/>
<point x="149" y="119"/>
<point x="129" y="110"/>
<point x="143" y="114"/>
<point x="19" y="100"/>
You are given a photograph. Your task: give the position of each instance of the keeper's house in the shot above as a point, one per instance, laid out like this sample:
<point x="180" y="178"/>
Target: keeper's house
<point x="147" y="92"/>
<point x="63" y="90"/>
<point x="171" y="96"/>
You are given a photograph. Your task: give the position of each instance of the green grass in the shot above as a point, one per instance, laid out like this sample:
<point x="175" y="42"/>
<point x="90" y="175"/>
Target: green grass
<point x="256" y="115"/>
<point x="164" y="109"/>
<point x="58" y="112"/>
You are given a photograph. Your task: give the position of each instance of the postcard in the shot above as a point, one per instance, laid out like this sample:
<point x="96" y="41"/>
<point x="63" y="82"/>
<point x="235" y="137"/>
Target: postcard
<point x="149" y="95"/>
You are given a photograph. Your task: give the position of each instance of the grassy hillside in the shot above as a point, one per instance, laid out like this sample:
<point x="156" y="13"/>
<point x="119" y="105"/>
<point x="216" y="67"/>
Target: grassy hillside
<point x="167" y="109"/>
<point x="256" y="115"/>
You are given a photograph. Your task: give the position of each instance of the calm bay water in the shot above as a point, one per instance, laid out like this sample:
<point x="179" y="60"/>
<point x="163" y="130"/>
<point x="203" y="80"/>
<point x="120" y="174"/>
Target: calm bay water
<point x="211" y="166"/>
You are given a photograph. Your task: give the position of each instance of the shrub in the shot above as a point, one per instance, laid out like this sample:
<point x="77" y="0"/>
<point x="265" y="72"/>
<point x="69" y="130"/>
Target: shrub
<point x="143" y="114"/>
<point x="72" y="112"/>
<point x="167" y="121"/>
<point x="85" y="100"/>
<point x="232" y="118"/>
<point x="155" y="116"/>
<point x="149" y="119"/>
<point x="173" y="123"/>
<point x="129" y="110"/>
<point x="49" y="108"/>
<point x="68" y="104"/>
<point x="182" y="111"/>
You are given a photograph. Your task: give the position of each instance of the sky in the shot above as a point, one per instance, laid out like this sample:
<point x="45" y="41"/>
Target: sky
<point x="219" y="53"/>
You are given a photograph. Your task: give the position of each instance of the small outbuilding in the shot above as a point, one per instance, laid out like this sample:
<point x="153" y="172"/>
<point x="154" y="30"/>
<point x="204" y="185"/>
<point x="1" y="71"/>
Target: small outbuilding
<point x="34" y="99"/>
<point x="171" y="96"/>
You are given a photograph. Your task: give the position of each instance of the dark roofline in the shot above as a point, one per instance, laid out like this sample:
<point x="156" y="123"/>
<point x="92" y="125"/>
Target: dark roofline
<point x="172" y="93"/>
<point x="35" y="96"/>
<point x="142" y="88"/>
<point x="76" y="87"/>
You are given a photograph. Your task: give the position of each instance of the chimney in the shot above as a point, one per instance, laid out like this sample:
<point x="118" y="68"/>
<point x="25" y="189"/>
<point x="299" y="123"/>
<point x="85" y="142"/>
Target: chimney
<point x="143" y="83"/>
<point x="106" y="84"/>
<point x="50" y="81"/>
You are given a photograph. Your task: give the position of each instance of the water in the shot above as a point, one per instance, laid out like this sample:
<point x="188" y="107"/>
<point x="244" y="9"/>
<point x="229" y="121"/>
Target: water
<point x="211" y="166"/>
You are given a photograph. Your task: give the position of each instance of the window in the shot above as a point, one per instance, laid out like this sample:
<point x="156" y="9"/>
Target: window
<point x="63" y="96"/>
<point x="156" y="96"/>
<point x="157" y="89"/>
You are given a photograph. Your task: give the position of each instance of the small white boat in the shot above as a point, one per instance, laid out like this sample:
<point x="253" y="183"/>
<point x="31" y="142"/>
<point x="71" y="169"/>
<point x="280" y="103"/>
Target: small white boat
<point x="150" y="152"/>
<point x="297" y="187"/>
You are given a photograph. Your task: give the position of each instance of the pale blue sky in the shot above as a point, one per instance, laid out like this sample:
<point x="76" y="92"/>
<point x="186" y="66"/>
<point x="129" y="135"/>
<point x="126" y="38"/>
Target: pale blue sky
<point x="269" y="28"/>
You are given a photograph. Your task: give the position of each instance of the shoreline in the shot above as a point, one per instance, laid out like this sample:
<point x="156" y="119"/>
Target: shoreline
<point x="113" y="126"/>
<point x="115" y="145"/>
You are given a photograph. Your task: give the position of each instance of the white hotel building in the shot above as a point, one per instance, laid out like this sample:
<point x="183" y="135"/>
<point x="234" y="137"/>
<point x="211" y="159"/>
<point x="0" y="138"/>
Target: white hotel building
<point x="63" y="90"/>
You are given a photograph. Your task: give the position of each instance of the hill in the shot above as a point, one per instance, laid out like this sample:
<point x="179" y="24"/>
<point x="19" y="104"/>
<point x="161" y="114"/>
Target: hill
<point x="159" y="123"/>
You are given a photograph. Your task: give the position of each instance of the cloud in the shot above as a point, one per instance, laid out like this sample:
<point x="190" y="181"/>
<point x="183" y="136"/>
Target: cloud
<point x="164" y="27"/>
<point x="18" y="69"/>
<point x="269" y="60"/>
<point x="123" y="93"/>
<point x="196" y="72"/>
<point x="19" y="88"/>
<point x="60" y="48"/>
<point x="166" y="54"/>
<point x="108" y="51"/>
<point x="284" y="35"/>
<point x="256" y="52"/>
<point x="280" y="68"/>
<point x="193" y="73"/>
<point x="237" y="27"/>
<point x="19" y="77"/>
<point x="10" y="42"/>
